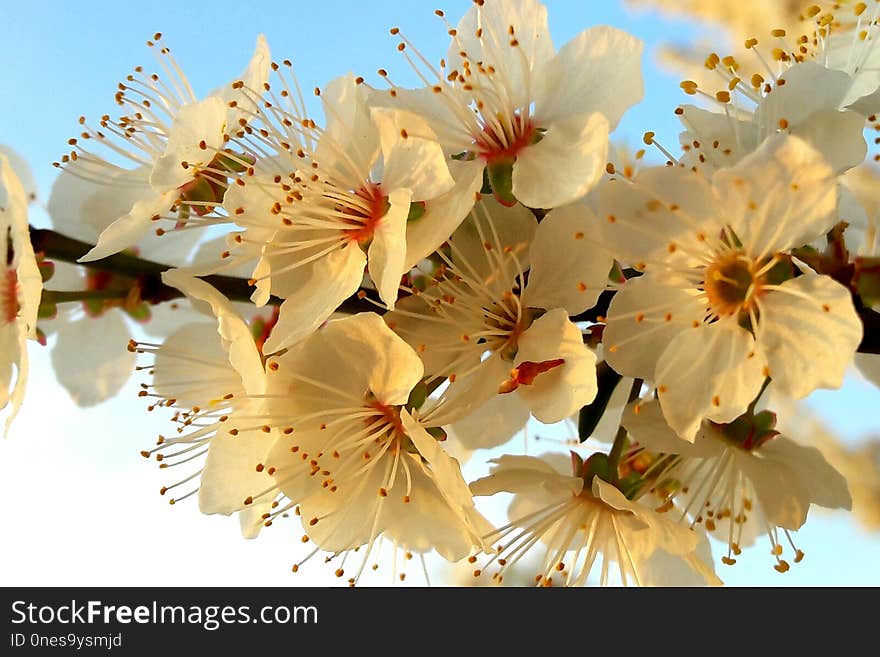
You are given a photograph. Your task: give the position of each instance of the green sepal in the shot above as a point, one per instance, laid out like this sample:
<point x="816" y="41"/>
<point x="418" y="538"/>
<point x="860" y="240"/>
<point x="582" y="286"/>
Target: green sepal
<point x="437" y="432"/>
<point x="47" y="270"/>
<point x="867" y="280"/>
<point x="597" y="466"/>
<point x="94" y="307"/>
<point x="47" y="310"/>
<point x="140" y="313"/>
<point x="501" y="179"/>
<point x="416" y="211"/>
<point x="616" y="274"/>
<point x="417" y="396"/>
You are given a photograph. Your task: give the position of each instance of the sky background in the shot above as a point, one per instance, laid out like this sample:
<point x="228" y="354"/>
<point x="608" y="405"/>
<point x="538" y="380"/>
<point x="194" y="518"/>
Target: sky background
<point x="82" y="507"/>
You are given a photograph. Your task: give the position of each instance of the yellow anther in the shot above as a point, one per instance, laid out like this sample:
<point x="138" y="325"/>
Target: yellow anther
<point x="689" y="87"/>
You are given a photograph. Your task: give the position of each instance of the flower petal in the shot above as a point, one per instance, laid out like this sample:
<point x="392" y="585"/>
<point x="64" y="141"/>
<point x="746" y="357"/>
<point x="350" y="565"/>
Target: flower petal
<point x="711" y="372"/>
<point x="645" y="423"/>
<point x="22" y="171"/>
<point x="355" y="355"/>
<point x="412" y="156"/>
<point x="599" y="70"/>
<point x="483" y="33"/>
<point x="108" y="369"/>
<point x="808" y="331"/>
<point x="445" y="213"/>
<point x="203" y="121"/>
<point x="254" y="77"/>
<point x="781" y="196"/>
<point x="556" y="394"/>
<point x="644" y="316"/>
<point x="530" y="476"/>
<point x="565" y="164"/>
<point x="492" y="424"/>
<point x="828" y="488"/>
<point x="350" y="143"/>
<point x="567" y="271"/>
<point x="230" y="473"/>
<point x="331" y="280"/>
<point x="238" y="341"/>
<point x="664" y="215"/>
<point x="837" y="135"/>
<point x="131" y="227"/>
<point x="387" y="252"/>
<point x="782" y="494"/>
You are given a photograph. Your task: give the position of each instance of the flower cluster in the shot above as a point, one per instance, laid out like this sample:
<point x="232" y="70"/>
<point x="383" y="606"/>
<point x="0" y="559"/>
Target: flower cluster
<point x="452" y="261"/>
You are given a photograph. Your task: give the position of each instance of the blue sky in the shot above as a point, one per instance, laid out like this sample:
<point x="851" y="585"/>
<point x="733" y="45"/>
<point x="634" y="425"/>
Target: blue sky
<point x="88" y="510"/>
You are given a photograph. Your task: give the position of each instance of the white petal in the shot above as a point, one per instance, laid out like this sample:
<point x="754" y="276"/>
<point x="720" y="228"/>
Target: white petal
<point x="491" y="247"/>
<point x="93" y="370"/>
<point x="22" y="171"/>
<point x="809" y="87"/>
<point x="493" y="424"/>
<point x="251" y="518"/>
<point x="230" y="473"/>
<point x="646" y="424"/>
<point x="561" y="391"/>
<point x="530" y="476"/>
<point x="782" y="494"/>
<point x="358" y="354"/>
<point x="132" y="227"/>
<point x="195" y="122"/>
<point x="665" y="215"/>
<point x="781" y="196"/>
<point x="441" y="349"/>
<point x="828" y="488"/>
<point x="516" y="66"/>
<point x="567" y="162"/>
<point x="468" y="393"/>
<point x="808" y="332"/>
<point x="446" y="470"/>
<point x="712" y="372"/>
<point x="26" y="289"/>
<point x="387" y="252"/>
<point x="253" y="78"/>
<point x="445" y="213"/>
<point x="837" y="135"/>
<point x="721" y="139"/>
<point x="237" y="338"/>
<point x="412" y="156"/>
<point x="192" y="366"/>
<point x="597" y="71"/>
<point x="445" y="122"/>
<point x="428" y="522"/>
<point x="567" y="270"/>
<point x="332" y="279"/>
<point x="20" y="252"/>
<point x="637" y="328"/>
<point x="350" y="143"/>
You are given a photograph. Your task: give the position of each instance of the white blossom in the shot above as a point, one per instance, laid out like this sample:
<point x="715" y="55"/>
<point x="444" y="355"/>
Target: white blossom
<point x="719" y="308"/>
<point x="20" y="287"/>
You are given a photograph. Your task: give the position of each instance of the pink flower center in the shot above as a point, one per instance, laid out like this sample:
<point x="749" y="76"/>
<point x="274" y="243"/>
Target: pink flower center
<point x="364" y="221"/>
<point x="9" y="305"/>
<point x="506" y="143"/>
<point x="390" y="415"/>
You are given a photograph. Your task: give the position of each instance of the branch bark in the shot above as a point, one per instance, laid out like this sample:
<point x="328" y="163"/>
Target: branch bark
<point x="148" y="276"/>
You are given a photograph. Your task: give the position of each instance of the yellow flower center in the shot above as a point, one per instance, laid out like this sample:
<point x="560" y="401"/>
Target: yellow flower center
<point x="731" y="282"/>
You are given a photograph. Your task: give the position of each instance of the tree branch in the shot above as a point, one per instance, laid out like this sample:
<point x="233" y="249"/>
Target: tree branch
<point x="148" y="276"/>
